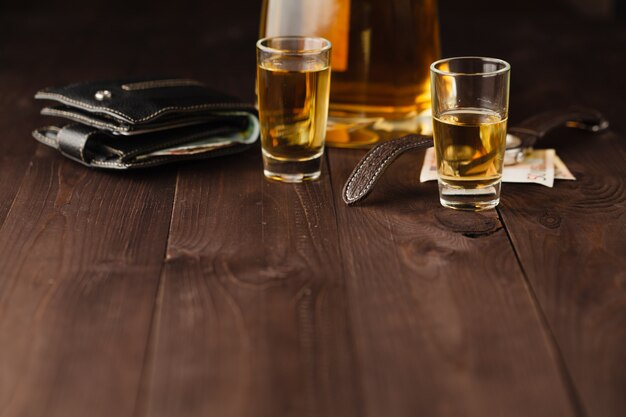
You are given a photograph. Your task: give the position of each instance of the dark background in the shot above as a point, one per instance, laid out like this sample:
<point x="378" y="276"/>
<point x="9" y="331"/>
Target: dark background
<point x="174" y="38"/>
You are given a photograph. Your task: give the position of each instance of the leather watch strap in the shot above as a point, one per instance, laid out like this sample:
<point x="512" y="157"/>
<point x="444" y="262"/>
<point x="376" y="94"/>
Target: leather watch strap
<point x="537" y="126"/>
<point x="375" y="162"/>
<point x="367" y="172"/>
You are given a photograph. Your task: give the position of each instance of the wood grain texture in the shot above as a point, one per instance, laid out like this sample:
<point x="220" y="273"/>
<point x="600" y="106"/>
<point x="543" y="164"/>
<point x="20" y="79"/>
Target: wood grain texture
<point x="442" y="319"/>
<point x="573" y="250"/>
<point x="78" y="288"/>
<point x="252" y="317"/>
<point x="16" y="147"/>
<point x="81" y="250"/>
<point x="569" y="239"/>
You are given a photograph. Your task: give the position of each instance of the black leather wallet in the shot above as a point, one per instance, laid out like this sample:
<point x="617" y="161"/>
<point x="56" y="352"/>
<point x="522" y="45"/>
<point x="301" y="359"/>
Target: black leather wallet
<point x="144" y="122"/>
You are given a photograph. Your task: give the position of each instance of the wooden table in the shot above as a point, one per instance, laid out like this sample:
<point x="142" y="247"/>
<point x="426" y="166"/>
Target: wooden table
<point x="204" y="290"/>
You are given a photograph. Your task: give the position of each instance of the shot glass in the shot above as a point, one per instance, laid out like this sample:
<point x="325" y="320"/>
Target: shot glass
<point x="470" y="102"/>
<point x="293" y="86"/>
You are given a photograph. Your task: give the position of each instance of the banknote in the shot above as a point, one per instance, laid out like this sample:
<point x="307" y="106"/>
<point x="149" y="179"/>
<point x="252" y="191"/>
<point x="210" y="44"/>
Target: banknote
<point x="560" y="170"/>
<point x="540" y="166"/>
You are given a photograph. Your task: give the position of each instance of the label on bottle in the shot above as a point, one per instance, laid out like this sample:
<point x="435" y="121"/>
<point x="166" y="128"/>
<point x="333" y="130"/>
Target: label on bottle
<point x="326" y="18"/>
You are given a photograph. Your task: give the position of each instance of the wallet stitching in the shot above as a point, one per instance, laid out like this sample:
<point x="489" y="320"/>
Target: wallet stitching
<point x="48" y="111"/>
<point x="172" y="82"/>
<point x="189" y="108"/>
<point x="117" y="129"/>
<point x="64" y="99"/>
<point x="67" y="100"/>
<point x="381" y="167"/>
<point x="123" y="164"/>
<point x="43" y="138"/>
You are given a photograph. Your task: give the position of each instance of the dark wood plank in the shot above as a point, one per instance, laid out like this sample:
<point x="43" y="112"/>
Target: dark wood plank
<point x="16" y="148"/>
<point x="571" y="241"/>
<point x="252" y="316"/>
<point x="82" y="253"/>
<point x="442" y="319"/>
<point x="81" y="250"/>
<point x="18" y="115"/>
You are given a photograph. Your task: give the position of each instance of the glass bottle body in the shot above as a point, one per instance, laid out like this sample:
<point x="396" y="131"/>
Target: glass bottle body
<point x="382" y="50"/>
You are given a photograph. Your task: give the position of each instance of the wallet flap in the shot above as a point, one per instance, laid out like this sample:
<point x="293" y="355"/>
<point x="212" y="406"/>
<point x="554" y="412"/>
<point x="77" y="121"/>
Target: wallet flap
<point x="139" y="101"/>
<point x="166" y="122"/>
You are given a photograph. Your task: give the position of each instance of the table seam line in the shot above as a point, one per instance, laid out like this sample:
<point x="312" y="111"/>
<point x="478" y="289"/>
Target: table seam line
<point x="349" y="319"/>
<point x="141" y="398"/>
<point x="552" y="343"/>
<point x="25" y="171"/>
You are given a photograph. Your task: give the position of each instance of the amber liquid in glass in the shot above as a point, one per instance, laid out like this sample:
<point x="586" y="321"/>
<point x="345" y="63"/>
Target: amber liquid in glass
<point x="469" y="145"/>
<point x="293" y="108"/>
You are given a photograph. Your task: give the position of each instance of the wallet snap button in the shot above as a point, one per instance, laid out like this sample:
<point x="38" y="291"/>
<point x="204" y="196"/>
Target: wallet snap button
<point x="102" y="95"/>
